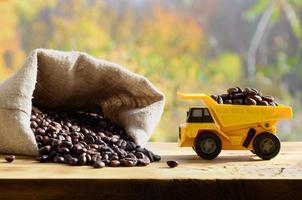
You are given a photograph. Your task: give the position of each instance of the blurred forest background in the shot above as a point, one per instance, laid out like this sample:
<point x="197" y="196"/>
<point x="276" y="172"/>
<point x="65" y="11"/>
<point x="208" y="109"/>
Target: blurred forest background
<point x="180" y="45"/>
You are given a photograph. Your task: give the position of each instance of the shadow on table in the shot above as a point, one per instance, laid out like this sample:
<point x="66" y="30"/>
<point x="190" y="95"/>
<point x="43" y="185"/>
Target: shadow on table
<point x="220" y="159"/>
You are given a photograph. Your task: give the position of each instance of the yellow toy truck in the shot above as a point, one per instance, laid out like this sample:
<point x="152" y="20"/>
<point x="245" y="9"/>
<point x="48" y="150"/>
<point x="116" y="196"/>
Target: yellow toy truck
<point x="216" y="126"/>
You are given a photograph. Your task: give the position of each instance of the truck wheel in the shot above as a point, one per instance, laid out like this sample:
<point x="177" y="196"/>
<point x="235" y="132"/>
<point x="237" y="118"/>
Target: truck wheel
<point x="266" y="146"/>
<point x="253" y="151"/>
<point x="207" y="145"/>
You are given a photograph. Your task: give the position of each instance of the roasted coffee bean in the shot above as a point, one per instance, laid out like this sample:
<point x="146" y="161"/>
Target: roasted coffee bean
<point x="44" y="150"/>
<point x="156" y="157"/>
<point x="83" y="159"/>
<point x="215" y="97"/>
<point x="43" y="158"/>
<point x="225" y="96"/>
<point x="98" y="164"/>
<point x="257" y="98"/>
<point x="10" y="158"/>
<point x="263" y="103"/>
<point x="232" y="90"/>
<point x="250" y="91"/>
<point x="219" y="100"/>
<point x="228" y="101"/>
<point x="63" y="150"/>
<point x="130" y="146"/>
<point x="150" y="156"/>
<point x="250" y="101"/>
<point x="128" y="162"/>
<point x="268" y="98"/>
<point x="140" y="155"/>
<point x="115" y="163"/>
<point x="73" y="161"/>
<point x="172" y="163"/>
<point x="143" y="161"/>
<point x="238" y="101"/>
<point x="58" y="159"/>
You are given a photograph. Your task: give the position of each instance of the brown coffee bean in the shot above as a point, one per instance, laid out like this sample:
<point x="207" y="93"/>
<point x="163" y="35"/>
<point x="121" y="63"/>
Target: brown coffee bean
<point x="99" y="164"/>
<point x="10" y="158"/>
<point x="250" y="91"/>
<point x="58" y="159"/>
<point x="143" y="161"/>
<point x="250" y="101"/>
<point x="238" y="101"/>
<point x="268" y="98"/>
<point x="263" y="103"/>
<point x="172" y="163"/>
<point x="228" y="101"/>
<point x="219" y="100"/>
<point x="73" y="161"/>
<point x="83" y="159"/>
<point x="44" y="150"/>
<point x="257" y="98"/>
<point x="115" y="163"/>
<point x="43" y="158"/>
<point x="232" y="90"/>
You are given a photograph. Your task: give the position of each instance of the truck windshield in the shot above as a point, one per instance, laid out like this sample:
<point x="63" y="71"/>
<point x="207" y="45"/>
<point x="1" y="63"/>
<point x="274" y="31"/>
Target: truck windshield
<point x="199" y="115"/>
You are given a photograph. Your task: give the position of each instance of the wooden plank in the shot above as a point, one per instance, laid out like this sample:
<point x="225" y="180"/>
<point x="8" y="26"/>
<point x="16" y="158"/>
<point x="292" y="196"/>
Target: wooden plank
<point x="233" y="175"/>
<point x="229" y="165"/>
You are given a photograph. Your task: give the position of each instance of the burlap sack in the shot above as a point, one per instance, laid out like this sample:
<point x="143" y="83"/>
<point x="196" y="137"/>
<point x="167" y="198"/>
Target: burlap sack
<point x="75" y="81"/>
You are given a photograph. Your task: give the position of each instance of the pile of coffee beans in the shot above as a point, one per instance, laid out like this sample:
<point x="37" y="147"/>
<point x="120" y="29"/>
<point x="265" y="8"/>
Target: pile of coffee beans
<point x="248" y="96"/>
<point x="80" y="138"/>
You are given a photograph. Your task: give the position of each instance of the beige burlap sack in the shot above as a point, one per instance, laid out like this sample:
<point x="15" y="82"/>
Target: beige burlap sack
<point x="75" y="81"/>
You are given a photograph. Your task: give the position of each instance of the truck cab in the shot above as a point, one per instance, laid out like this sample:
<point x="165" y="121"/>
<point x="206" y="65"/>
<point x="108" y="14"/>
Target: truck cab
<point x="198" y="118"/>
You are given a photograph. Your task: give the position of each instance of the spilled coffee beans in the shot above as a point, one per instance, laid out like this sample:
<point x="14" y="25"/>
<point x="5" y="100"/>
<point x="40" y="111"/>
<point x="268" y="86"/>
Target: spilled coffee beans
<point x="10" y="158"/>
<point x="248" y="96"/>
<point x="81" y="138"/>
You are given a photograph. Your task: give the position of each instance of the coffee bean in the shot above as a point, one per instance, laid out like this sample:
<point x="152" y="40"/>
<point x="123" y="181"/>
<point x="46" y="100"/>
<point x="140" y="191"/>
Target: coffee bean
<point x="172" y="163"/>
<point x="232" y="90"/>
<point x="219" y="100"/>
<point x="268" y="98"/>
<point x="115" y="163"/>
<point x="58" y="159"/>
<point x="228" y="101"/>
<point x="83" y="159"/>
<point x="238" y="101"/>
<point x="43" y="158"/>
<point x="10" y="158"/>
<point x="98" y="164"/>
<point x="250" y="101"/>
<point x="73" y="161"/>
<point x="263" y="103"/>
<point x="143" y="161"/>
<point x="44" y="150"/>
<point x="156" y="157"/>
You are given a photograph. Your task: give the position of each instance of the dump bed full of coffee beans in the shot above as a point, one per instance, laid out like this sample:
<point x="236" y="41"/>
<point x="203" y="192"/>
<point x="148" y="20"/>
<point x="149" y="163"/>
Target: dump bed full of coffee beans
<point x="81" y="138"/>
<point x="248" y="96"/>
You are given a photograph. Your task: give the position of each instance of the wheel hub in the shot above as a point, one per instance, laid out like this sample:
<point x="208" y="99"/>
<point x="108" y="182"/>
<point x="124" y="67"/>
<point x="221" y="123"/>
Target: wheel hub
<point x="267" y="145"/>
<point x="208" y="146"/>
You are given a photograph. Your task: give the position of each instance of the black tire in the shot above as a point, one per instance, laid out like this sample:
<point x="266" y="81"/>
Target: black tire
<point x="266" y="146"/>
<point x="253" y="151"/>
<point x="207" y="145"/>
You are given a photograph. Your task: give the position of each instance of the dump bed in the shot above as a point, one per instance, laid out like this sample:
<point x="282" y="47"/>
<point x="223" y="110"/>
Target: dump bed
<point x="227" y="115"/>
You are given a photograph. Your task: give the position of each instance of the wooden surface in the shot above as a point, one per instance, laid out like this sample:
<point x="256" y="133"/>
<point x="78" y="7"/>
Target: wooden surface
<point x="234" y="174"/>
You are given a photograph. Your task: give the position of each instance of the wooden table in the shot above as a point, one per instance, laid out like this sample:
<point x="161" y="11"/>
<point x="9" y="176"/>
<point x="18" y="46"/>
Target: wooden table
<point x="233" y="175"/>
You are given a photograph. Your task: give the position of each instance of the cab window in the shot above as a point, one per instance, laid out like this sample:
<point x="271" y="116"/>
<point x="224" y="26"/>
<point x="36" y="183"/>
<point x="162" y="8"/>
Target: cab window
<point x="199" y="115"/>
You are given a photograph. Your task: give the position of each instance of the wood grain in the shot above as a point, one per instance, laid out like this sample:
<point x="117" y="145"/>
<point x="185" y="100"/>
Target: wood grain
<point x="233" y="175"/>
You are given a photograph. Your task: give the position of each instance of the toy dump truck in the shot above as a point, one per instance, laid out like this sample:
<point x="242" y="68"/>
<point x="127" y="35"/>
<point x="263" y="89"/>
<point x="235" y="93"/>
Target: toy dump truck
<point x="216" y="126"/>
